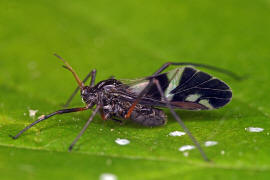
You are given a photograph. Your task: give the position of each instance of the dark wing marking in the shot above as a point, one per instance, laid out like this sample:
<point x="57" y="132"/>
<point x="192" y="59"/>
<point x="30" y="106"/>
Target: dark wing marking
<point x="164" y="83"/>
<point x="186" y="88"/>
<point x="137" y="86"/>
<point x="199" y="87"/>
<point x="191" y="78"/>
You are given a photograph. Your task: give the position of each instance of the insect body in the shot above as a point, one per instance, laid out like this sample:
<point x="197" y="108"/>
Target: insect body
<point x="184" y="88"/>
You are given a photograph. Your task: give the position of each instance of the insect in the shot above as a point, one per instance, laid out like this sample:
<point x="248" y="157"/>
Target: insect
<point x="183" y="87"/>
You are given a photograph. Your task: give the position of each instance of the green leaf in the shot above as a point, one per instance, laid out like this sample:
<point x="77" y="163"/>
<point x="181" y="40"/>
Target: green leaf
<point x="130" y="39"/>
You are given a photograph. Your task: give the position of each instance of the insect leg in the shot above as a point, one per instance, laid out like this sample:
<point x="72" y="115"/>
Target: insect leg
<point x="84" y="128"/>
<point x="221" y="70"/>
<point x="180" y="121"/>
<point x="91" y="74"/>
<point x="93" y="77"/>
<point x="142" y="93"/>
<point x="48" y="116"/>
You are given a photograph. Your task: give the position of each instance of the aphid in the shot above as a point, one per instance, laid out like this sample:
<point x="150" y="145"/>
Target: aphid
<point x="183" y="87"/>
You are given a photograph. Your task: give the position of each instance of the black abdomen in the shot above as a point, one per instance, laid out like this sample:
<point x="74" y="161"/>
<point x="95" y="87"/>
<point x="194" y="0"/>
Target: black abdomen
<point x="149" y="117"/>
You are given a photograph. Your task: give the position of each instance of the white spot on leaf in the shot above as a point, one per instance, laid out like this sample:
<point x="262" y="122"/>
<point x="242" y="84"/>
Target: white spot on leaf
<point x="122" y="142"/>
<point x="210" y="143"/>
<point x="107" y="176"/>
<point x="186" y="147"/>
<point x="254" y="129"/>
<point x="177" y="133"/>
<point x="222" y="152"/>
<point x="32" y="112"/>
<point x="186" y="154"/>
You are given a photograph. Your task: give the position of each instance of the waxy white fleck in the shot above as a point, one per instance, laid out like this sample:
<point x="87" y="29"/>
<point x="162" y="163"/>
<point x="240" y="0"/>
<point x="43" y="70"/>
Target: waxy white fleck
<point x="122" y="142"/>
<point x="186" y="154"/>
<point x="254" y="129"/>
<point x="177" y="133"/>
<point x="222" y="152"/>
<point x="107" y="176"/>
<point x="210" y="143"/>
<point x="186" y="147"/>
<point x="32" y="112"/>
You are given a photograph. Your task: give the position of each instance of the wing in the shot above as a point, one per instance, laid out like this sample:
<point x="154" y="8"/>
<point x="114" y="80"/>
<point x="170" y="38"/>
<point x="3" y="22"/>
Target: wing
<point x="186" y="88"/>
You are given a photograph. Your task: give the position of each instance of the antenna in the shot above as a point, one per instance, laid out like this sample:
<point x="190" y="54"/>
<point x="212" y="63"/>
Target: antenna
<point x="68" y="67"/>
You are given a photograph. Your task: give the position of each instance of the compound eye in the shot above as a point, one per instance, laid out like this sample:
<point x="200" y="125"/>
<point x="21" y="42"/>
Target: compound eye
<point x="84" y="91"/>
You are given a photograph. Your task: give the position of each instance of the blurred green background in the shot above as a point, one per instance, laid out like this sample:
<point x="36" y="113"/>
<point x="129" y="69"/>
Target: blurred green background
<point x="130" y="39"/>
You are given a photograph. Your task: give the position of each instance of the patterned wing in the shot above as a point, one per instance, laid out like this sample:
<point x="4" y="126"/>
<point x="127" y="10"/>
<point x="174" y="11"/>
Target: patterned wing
<point x="189" y="88"/>
<point x="201" y="88"/>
